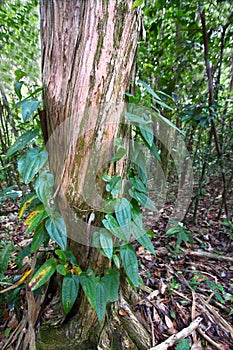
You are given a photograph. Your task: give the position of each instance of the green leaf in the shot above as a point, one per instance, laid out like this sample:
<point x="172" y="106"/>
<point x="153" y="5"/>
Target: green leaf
<point x="31" y="163"/>
<point x="172" y="231"/>
<point x="111" y="224"/>
<point x="17" y="87"/>
<point x="111" y="282"/>
<point x="135" y="119"/>
<point x="22" y="141"/>
<point x="43" y="274"/>
<point x="116" y="261"/>
<point x="9" y="192"/>
<point x="119" y="154"/>
<point x="147" y="133"/>
<point x="148" y="89"/>
<point x="88" y="283"/>
<point x="143" y="200"/>
<point x="162" y="104"/>
<point x="155" y="152"/>
<point x="141" y="236"/>
<point x="168" y="122"/>
<point x="123" y="212"/>
<point x="61" y="269"/>
<point x="4" y="258"/>
<point x="101" y="301"/>
<point x="61" y="255"/>
<point x="123" y="215"/>
<point x="184" y="236"/>
<point x="96" y="239"/>
<point x="55" y="225"/>
<point x="183" y="344"/>
<point x="136" y="4"/>
<point x="106" y="243"/>
<point x="28" y="107"/>
<point x="44" y="186"/>
<point x="19" y="74"/>
<point x="114" y="186"/>
<point x="130" y="263"/>
<point x="38" y="238"/>
<point x="70" y="287"/>
<point x="138" y="184"/>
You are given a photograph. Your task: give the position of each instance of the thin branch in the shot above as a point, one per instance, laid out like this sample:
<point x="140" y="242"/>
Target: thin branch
<point x="203" y="254"/>
<point x="184" y="333"/>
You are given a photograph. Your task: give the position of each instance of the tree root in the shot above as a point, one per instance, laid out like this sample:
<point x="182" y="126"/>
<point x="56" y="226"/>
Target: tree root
<point x="120" y="330"/>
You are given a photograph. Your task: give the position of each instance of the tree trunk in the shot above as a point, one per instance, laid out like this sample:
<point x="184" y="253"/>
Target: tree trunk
<point x="88" y="49"/>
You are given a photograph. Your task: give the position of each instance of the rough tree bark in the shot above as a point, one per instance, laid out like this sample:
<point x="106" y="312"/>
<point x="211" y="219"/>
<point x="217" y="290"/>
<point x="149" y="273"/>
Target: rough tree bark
<point x="88" y="49"/>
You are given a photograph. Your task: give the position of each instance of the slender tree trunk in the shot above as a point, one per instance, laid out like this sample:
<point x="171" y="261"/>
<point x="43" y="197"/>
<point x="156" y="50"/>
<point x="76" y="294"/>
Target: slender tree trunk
<point x="88" y="49"/>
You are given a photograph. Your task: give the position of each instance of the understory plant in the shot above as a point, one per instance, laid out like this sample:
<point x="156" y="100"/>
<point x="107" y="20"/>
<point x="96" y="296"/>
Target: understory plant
<point x="122" y="221"/>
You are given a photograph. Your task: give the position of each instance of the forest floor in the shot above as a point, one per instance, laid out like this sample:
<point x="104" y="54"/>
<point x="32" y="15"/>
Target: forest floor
<point x="184" y="281"/>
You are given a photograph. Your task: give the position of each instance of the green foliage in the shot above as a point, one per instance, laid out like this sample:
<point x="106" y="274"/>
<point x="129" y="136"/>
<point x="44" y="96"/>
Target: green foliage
<point x="31" y="162"/>
<point x="44" y="186"/>
<point x="114" y="185"/>
<point x="56" y="229"/>
<point x="123" y="215"/>
<point x="4" y="258"/>
<point x="28" y="108"/>
<point x="88" y="283"/>
<point x="183" y="344"/>
<point x="22" y="141"/>
<point x="106" y="243"/>
<point x="111" y="224"/>
<point x="130" y="263"/>
<point x="70" y="287"/>
<point x="141" y="236"/>
<point x="10" y="192"/>
<point x="216" y="289"/>
<point x="182" y="235"/>
<point x="43" y="274"/>
<point x="174" y="46"/>
<point x="111" y="281"/>
<point x="137" y="3"/>
<point x="19" y="40"/>
<point x="101" y="300"/>
<point x="38" y="238"/>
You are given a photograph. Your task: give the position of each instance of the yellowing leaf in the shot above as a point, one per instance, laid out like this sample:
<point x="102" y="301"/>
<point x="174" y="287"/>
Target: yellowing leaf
<point x="30" y="217"/>
<point x="24" y="206"/>
<point x="43" y="274"/>
<point x="25" y="275"/>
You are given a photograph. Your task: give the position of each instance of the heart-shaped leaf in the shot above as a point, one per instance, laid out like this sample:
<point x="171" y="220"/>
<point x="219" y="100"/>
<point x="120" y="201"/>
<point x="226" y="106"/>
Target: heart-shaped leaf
<point x="70" y="287"/>
<point x="55" y="225"/>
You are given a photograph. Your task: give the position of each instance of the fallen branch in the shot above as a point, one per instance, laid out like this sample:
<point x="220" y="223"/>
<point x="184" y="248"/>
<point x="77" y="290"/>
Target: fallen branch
<point x="208" y="255"/>
<point x="178" y="336"/>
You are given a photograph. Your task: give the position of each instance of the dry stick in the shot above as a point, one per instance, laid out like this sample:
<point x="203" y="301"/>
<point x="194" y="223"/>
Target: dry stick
<point x="13" y="337"/>
<point x="208" y="255"/>
<point x="178" y="336"/>
<point x="152" y="329"/>
<point x="194" y="314"/>
<point x="211" y="341"/>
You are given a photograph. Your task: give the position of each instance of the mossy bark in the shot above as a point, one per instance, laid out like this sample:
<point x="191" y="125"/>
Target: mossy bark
<point x="88" y="49"/>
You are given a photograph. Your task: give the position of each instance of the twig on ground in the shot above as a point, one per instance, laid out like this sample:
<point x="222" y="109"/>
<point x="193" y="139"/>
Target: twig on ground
<point x="211" y="341"/>
<point x="184" y="333"/>
<point x="204" y="254"/>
